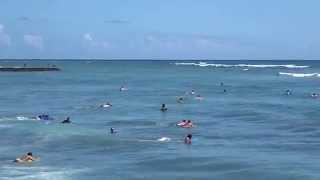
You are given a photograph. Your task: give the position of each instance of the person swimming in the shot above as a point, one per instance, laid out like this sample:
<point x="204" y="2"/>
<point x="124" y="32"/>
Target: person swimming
<point x="224" y="90"/>
<point x="188" y="124"/>
<point x="66" y="121"/>
<point x="44" y="117"/>
<point x="314" y="95"/>
<point x="192" y="92"/>
<point x="187" y="139"/>
<point x="25" y="158"/>
<point x="288" y="92"/>
<point x="122" y="88"/>
<point x="181" y="123"/>
<point x="112" y="131"/>
<point x="163" y="108"/>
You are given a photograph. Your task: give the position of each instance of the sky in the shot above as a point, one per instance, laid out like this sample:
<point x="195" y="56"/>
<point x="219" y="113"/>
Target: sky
<point x="159" y="29"/>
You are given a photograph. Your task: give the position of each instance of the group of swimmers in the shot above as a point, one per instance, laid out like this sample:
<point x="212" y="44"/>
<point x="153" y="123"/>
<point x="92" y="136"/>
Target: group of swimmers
<point x="181" y="99"/>
<point x="185" y="124"/>
<point x="28" y="157"/>
<point x="288" y="92"/>
<point x="46" y="117"/>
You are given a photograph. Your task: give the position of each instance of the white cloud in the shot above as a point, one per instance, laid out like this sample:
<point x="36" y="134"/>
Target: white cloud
<point x="208" y="43"/>
<point x="87" y="37"/>
<point x="186" y="42"/>
<point x="35" y="41"/>
<point x="5" y="39"/>
<point x="92" y="42"/>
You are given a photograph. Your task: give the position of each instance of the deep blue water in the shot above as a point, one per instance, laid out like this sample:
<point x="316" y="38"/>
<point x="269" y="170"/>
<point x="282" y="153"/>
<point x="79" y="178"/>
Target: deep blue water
<point x="254" y="131"/>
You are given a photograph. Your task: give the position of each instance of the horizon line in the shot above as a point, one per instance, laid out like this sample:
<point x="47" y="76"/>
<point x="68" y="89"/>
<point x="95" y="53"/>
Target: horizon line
<point x="145" y="59"/>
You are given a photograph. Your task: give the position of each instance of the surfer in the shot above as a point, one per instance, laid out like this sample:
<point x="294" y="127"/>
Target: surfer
<point x="112" y="131"/>
<point x="163" y="108"/>
<point x="188" y="124"/>
<point x="288" y="92"/>
<point x="25" y="158"/>
<point x="181" y="123"/>
<point x="66" y="121"/>
<point x="314" y="95"/>
<point x="106" y="105"/>
<point x="122" y="88"/>
<point x="44" y="117"/>
<point x="187" y="139"/>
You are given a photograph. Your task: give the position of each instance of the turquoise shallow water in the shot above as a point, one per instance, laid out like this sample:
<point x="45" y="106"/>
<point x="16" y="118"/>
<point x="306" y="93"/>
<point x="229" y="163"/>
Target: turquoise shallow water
<point x="253" y="131"/>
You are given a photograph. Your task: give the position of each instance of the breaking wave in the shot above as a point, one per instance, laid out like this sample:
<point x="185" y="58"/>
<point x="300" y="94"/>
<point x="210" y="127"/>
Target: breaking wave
<point x="204" y="64"/>
<point x="300" y="74"/>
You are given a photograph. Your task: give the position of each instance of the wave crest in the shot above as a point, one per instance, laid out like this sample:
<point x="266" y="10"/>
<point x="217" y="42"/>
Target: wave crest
<point x="204" y="64"/>
<point x="300" y="74"/>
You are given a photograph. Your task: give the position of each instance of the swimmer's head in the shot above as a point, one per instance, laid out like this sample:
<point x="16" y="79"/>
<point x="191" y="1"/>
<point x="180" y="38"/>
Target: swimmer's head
<point x="29" y="153"/>
<point x="184" y="120"/>
<point x="112" y="130"/>
<point x="189" y="121"/>
<point x="189" y="136"/>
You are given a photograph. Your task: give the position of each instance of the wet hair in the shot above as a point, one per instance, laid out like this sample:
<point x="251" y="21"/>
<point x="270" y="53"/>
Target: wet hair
<point x="184" y="120"/>
<point x="189" y="121"/>
<point x="163" y="105"/>
<point x="189" y="136"/>
<point x="29" y="153"/>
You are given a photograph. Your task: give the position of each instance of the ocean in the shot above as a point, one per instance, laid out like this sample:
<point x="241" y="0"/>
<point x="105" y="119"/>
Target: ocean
<point x="253" y="131"/>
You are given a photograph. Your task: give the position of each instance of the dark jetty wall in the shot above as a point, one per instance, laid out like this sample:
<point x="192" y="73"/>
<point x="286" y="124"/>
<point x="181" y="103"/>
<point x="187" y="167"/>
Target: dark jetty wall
<point x="28" y="69"/>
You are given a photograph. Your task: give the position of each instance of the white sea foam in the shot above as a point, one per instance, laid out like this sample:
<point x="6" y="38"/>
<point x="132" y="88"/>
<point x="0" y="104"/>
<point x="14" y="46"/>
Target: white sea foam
<point x="22" y="118"/>
<point x="300" y="74"/>
<point x="164" y="139"/>
<point x="41" y="173"/>
<point x="19" y="118"/>
<point x="204" y="64"/>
